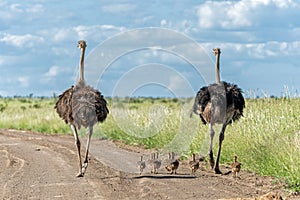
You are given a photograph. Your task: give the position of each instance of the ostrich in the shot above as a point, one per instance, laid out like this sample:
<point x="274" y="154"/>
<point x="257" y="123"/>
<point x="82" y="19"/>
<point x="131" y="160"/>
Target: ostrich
<point x="81" y="105"/>
<point x="218" y="103"/>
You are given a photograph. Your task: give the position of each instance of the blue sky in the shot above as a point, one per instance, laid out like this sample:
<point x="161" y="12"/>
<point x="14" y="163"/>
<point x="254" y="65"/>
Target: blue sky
<point x="259" y="40"/>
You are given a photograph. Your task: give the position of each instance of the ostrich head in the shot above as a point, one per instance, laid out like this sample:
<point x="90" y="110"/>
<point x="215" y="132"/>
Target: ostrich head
<point x="217" y="51"/>
<point x="235" y="158"/>
<point x="81" y="44"/>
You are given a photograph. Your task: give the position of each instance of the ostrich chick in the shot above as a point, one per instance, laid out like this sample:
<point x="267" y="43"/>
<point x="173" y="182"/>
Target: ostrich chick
<point x="156" y="163"/>
<point x="235" y="166"/>
<point x="141" y="165"/>
<point x="194" y="165"/>
<point x="173" y="164"/>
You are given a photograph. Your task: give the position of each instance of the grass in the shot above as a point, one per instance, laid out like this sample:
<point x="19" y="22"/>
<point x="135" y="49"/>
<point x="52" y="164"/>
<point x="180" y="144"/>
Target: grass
<point x="266" y="140"/>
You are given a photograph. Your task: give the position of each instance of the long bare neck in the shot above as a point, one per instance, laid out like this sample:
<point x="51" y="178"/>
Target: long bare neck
<point x="81" y="65"/>
<point x="218" y="68"/>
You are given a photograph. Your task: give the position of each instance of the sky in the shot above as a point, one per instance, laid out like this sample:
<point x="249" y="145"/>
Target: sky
<point x="149" y="48"/>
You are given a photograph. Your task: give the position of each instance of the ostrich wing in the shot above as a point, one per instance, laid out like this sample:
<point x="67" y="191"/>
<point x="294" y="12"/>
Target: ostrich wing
<point x="63" y="105"/>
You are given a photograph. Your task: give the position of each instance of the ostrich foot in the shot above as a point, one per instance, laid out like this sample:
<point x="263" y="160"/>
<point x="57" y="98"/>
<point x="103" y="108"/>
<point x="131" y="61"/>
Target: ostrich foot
<point x="227" y="173"/>
<point x="217" y="170"/>
<point x="80" y="174"/>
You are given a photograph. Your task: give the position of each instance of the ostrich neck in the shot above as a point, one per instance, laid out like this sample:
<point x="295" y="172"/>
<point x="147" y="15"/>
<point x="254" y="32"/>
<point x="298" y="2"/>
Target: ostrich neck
<point x="218" y="68"/>
<point x="81" y="66"/>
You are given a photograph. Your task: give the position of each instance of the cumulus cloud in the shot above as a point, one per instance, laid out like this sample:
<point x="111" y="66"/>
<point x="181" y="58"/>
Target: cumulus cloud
<point x="257" y="51"/>
<point x="23" y="81"/>
<point x="180" y="86"/>
<point x="20" y="41"/>
<point x="163" y="23"/>
<point x="52" y="73"/>
<point x="249" y="33"/>
<point x="243" y="14"/>
<point x="96" y="30"/>
<point x="19" y="11"/>
<point x="37" y="8"/>
<point x="62" y="34"/>
<point x="16" y="8"/>
<point x="118" y="8"/>
<point x="93" y="32"/>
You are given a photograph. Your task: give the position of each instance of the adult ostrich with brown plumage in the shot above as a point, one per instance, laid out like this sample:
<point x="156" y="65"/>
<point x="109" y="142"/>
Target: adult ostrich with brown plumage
<point x="218" y="103"/>
<point x="81" y="105"/>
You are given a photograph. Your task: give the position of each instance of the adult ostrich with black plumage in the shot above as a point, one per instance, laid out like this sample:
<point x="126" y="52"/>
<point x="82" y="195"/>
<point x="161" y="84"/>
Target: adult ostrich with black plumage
<point x="218" y="103"/>
<point x="81" y="105"/>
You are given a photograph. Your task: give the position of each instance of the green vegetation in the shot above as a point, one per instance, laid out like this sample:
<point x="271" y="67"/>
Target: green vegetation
<point x="266" y="140"/>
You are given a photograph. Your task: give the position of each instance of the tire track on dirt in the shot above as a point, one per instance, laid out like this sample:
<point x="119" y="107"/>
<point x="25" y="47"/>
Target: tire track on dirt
<point x="41" y="172"/>
<point x="13" y="164"/>
<point x="50" y="165"/>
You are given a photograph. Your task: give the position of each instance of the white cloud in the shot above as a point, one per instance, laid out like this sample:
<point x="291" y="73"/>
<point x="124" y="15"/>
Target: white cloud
<point x="19" y="11"/>
<point x="26" y="8"/>
<point x="53" y="72"/>
<point x="37" y="8"/>
<point x="206" y="16"/>
<point x="23" y="81"/>
<point x="119" y="8"/>
<point x="180" y="86"/>
<point x="250" y="33"/>
<point x="16" y="8"/>
<point x="245" y="13"/>
<point x="62" y="51"/>
<point x="163" y="23"/>
<point x="284" y="3"/>
<point x="94" y="32"/>
<point x="20" y="41"/>
<point x="63" y="34"/>
<point x="144" y="19"/>
<point x="270" y="50"/>
<point x="85" y="31"/>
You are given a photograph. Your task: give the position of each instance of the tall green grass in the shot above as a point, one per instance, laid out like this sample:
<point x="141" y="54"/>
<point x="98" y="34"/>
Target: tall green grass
<point x="266" y="139"/>
<point x="33" y="114"/>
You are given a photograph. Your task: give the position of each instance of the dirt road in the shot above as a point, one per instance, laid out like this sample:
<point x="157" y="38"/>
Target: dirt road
<point x="37" y="166"/>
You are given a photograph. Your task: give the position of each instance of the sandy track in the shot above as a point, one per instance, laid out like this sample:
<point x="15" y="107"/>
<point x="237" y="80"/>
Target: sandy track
<point x="37" y="166"/>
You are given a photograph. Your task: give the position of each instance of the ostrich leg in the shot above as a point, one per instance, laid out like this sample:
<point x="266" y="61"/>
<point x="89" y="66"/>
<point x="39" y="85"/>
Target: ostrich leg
<point x="85" y="163"/>
<point x="221" y="138"/>
<point x="211" y="155"/>
<point x="77" y="143"/>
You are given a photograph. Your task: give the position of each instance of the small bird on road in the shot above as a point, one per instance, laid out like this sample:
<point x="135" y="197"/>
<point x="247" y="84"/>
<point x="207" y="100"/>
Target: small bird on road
<point x="194" y="165"/>
<point x="173" y="164"/>
<point x="141" y="165"/>
<point x="156" y="163"/>
<point x="235" y="166"/>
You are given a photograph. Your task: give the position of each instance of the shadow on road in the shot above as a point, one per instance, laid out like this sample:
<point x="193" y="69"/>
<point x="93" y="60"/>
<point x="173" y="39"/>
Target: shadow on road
<point x="165" y="177"/>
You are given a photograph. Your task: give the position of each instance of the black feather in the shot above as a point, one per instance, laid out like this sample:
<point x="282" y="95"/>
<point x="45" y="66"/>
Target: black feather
<point x="222" y="97"/>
